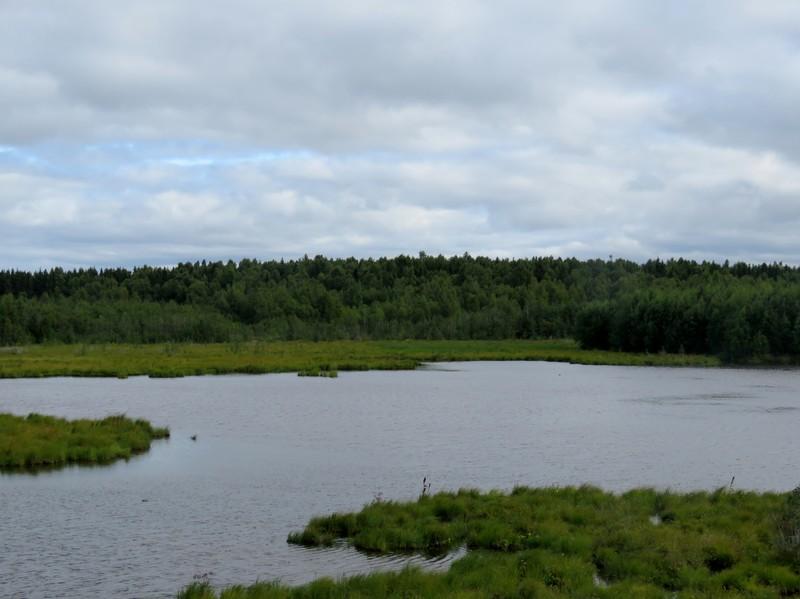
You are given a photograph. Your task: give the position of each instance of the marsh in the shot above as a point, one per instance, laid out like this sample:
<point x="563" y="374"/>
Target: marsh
<point x="273" y="451"/>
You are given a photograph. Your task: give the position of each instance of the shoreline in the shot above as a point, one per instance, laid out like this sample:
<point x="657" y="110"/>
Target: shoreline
<point x="315" y="358"/>
<point x="560" y="542"/>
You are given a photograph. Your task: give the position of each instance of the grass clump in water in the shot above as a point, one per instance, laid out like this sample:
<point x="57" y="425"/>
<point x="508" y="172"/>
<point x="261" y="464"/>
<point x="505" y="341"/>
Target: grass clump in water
<point x="560" y="542"/>
<point x="320" y="370"/>
<point x="329" y="374"/>
<point x="45" y="441"/>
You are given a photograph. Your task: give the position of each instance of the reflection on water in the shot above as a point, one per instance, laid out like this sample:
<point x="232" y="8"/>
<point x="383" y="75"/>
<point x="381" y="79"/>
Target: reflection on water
<point x="696" y="399"/>
<point x="343" y="560"/>
<point x="272" y="451"/>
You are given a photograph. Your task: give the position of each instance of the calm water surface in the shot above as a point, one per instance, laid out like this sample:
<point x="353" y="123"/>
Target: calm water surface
<point x="274" y="450"/>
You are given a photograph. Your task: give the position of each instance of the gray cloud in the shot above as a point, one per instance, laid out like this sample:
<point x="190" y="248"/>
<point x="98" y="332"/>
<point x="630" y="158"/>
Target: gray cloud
<point x="169" y="131"/>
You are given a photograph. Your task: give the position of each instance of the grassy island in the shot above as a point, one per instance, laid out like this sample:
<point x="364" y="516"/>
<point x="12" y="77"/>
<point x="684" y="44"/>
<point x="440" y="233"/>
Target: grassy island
<point x="308" y="357"/>
<point x="46" y="441"/>
<point x="565" y="542"/>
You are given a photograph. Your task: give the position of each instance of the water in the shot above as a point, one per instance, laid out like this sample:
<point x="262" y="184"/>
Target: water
<point x="274" y="450"/>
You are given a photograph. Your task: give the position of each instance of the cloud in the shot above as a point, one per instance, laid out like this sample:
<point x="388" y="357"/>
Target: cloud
<point x="161" y="132"/>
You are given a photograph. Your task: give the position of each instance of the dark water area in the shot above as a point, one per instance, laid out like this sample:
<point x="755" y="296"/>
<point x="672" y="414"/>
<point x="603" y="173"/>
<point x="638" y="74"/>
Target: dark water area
<point x="274" y="450"/>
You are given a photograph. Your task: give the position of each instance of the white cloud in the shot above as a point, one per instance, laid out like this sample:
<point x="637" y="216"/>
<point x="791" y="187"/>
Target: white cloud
<point x="30" y="202"/>
<point x="160" y="131"/>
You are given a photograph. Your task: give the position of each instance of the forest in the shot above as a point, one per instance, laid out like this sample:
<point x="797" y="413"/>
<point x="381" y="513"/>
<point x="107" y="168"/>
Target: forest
<point x="739" y="312"/>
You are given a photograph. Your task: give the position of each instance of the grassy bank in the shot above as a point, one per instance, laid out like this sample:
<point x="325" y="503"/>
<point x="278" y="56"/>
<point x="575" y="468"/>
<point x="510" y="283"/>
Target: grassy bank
<point x="299" y="356"/>
<point x="36" y="440"/>
<point x="569" y="542"/>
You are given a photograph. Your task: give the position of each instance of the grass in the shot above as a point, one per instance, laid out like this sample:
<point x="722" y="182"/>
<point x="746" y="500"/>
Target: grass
<point x="171" y="360"/>
<point x="46" y="441"/>
<point x="323" y="370"/>
<point x="561" y="542"/>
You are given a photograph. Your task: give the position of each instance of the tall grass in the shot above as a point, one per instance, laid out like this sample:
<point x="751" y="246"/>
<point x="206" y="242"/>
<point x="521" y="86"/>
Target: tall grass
<point x="36" y="440"/>
<point x="169" y="360"/>
<point x="560" y="542"/>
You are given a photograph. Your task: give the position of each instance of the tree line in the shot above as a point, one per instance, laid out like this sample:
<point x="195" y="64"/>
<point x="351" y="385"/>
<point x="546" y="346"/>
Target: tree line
<point x="734" y="310"/>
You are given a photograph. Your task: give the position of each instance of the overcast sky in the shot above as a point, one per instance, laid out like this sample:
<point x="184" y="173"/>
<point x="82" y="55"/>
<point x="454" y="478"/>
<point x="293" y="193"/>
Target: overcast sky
<point x="159" y="131"/>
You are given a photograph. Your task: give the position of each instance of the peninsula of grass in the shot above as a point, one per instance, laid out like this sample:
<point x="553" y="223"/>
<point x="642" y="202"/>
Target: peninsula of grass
<point x="170" y="360"/>
<point x="564" y="542"/>
<point x="35" y="440"/>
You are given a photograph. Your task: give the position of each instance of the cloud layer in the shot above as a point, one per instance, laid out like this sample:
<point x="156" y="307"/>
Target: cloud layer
<point x="169" y="131"/>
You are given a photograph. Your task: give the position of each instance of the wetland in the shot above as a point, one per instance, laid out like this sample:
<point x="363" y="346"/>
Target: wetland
<point x="272" y="452"/>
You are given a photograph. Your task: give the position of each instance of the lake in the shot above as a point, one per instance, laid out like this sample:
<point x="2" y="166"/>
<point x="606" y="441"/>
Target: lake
<point x="274" y="450"/>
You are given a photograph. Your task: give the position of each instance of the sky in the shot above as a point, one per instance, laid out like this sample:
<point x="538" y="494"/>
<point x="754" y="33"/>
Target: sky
<point x="158" y="131"/>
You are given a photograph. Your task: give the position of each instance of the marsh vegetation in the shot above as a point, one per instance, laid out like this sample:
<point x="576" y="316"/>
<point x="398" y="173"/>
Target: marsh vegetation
<point x="562" y="542"/>
<point x="46" y="441"/>
<point x="317" y="358"/>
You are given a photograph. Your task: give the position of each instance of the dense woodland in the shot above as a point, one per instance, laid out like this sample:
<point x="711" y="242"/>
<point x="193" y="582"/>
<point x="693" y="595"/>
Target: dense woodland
<point x="736" y="311"/>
